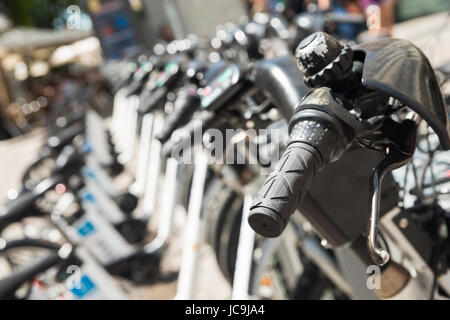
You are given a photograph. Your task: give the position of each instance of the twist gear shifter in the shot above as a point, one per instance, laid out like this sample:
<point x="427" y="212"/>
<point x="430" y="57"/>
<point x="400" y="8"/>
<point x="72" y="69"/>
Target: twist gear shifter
<point x="325" y="62"/>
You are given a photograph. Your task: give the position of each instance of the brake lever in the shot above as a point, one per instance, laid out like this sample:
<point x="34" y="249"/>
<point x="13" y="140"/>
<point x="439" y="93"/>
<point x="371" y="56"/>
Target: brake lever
<point x="397" y="154"/>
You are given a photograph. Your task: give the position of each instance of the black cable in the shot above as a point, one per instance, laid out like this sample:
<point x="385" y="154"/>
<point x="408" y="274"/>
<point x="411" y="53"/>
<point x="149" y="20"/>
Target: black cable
<point x="384" y="242"/>
<point x="419" y="194"/>
<point x="439" y="247"/>
<point x="433" y="287"/>
<point x="431" y="156"/>
<point x="404" y="184"/>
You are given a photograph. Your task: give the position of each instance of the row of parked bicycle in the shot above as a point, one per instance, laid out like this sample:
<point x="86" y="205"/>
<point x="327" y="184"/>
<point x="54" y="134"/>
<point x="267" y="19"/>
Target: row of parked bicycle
<point x="199" y="125"/>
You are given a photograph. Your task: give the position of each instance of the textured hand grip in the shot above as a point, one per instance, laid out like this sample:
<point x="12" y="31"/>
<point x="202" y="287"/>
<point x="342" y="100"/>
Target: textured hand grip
<point x="284" y="189"/>
<point x="316" y="139"/>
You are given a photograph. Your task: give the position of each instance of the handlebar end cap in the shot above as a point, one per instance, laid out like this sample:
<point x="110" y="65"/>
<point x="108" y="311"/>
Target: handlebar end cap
<point x="266" y="222"/>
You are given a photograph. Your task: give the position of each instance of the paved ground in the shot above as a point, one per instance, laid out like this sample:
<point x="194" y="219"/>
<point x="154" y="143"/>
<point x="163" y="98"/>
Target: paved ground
<point x="15" y="156"/>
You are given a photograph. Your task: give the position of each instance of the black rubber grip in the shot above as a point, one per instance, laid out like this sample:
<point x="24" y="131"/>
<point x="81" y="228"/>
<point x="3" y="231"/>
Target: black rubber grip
<point x="315" y="141"/>
<point x="185" y="105"/>
<point x="10" y="284"/>
<point x="284" y="189"/>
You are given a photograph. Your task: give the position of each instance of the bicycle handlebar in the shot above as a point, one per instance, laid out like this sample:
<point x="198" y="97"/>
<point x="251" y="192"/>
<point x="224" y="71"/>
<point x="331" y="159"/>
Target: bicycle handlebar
<point x="316" y="139"/>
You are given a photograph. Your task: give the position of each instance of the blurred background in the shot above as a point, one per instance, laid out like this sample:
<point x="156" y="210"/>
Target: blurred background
<point x="49" y="49"/>
<point x="46" y="46"/>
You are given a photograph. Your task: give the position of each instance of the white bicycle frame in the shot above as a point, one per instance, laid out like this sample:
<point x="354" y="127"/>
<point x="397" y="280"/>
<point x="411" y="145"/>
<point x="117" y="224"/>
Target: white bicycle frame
<point x="244" y="257"/>
<point x="98" y="181"/>
<point x="102" y="287"/>
<point x="154" y="165"/>
<point x="145" y="142"/>
<point x="99" y="154"/>
<point x="123" y="124"/>
<point x="193" y="233"/>
<point x="97" y="138"/>
<point x="117" y="123"/>
<point x="91" y="280"/>
<point x="167" y="211"/>
<point x="91" y="230"/>
<point x="130" y="130"/>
